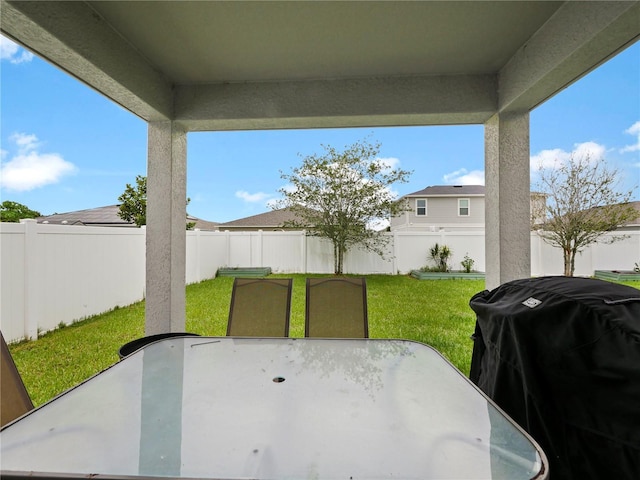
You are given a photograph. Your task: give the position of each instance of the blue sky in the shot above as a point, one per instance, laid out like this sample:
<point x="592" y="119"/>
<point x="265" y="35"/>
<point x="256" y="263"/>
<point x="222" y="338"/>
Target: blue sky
<point x="65" y="147"/>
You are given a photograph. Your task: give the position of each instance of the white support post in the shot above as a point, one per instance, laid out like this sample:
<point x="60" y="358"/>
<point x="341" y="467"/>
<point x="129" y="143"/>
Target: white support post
<point x="166" y="228"/>
<point x="507" y="198"/>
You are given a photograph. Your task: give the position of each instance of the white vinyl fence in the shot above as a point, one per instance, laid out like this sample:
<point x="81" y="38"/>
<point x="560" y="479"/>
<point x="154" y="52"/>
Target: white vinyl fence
<point x="57" y="274"/>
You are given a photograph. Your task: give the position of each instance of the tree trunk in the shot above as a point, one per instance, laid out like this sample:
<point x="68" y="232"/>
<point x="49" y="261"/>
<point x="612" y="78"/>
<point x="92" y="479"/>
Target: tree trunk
<point x="574" y="252"/>
<point x="340" y="260"/>
<point x="569" y="262"/>
<point x="338" y="257"/>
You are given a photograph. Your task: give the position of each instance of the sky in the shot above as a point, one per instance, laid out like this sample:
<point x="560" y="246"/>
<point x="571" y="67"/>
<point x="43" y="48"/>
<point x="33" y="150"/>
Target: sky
<point x="65" y="147"/>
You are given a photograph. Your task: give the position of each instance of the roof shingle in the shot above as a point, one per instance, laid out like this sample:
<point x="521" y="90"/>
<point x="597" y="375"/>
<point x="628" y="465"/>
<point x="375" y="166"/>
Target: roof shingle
<point x="457" y="190"/>
<point x="272" y="219"/>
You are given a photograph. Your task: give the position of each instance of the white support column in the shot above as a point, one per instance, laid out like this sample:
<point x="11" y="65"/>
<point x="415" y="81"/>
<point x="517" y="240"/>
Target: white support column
<point x="507" y="198"/>
<point x="166" y="228"/>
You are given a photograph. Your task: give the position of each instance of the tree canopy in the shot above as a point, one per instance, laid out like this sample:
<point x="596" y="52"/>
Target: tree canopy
<point x="133" y="202"/>
<point x="584" y="202"/>
<point x="340" y="195"/>
<point x="14" y="211"/>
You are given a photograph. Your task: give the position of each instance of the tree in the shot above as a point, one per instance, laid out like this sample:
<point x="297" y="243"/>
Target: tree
<point x="584" y="202"/>
<point x="14" y="211"/>
<point x="338" y="195"/>
<point x="133" y="202"/>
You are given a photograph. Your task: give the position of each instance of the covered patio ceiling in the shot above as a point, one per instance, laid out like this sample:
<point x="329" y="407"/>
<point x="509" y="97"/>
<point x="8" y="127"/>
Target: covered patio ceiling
<point x="235" y="65"/>
<point x="217" y="65"/>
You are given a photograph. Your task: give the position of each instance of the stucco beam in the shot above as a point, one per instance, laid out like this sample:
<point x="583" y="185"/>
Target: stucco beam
<point x="390" y="101"/>
<point x="579" y="37"/>
<point x="75" y="38"/>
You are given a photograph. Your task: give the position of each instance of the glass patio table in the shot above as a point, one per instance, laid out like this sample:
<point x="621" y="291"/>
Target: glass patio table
<point x="266" y="408"/>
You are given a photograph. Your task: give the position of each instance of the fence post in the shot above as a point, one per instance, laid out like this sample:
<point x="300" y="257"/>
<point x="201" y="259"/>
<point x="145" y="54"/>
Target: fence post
<point x="31" y="300"/>
<point x="197" y="255"/>
<point x="394" y="252"/>
<point x="227" y="235"/>
<point x="303" y="237"/>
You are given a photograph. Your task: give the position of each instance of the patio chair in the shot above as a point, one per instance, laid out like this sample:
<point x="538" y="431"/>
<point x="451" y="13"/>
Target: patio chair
<point x="15" y="400"/>
<point x="260" y="307"/>
<point x="336" y="308"/>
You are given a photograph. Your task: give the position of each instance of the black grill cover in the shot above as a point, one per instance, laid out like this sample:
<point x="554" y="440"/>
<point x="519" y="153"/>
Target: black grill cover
<point x="562" y="357"/>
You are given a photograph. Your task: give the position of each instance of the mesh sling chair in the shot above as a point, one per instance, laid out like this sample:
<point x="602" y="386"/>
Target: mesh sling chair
<point x="15" y="400"/>
<point x="336" y="308"/>
<point x="260" y="307"/>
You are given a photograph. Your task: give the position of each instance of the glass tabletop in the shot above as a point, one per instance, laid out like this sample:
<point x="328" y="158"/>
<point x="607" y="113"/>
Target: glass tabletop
<point x="208" y="407"/>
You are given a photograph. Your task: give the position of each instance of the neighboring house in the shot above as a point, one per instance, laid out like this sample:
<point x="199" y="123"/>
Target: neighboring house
<point x="273" y="220"/>
<point x="461" y="207"/>
<point x="443" y="207"/>
<point x="107" y="217"/>
<point x="634" y="225"/>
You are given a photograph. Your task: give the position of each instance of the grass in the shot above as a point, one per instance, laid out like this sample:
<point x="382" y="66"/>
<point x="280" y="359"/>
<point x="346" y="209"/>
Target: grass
<point x="435" y="312"/>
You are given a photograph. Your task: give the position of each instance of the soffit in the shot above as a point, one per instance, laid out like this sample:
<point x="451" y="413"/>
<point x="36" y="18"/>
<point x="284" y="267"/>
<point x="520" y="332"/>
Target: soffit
<point x="217" y="42"/>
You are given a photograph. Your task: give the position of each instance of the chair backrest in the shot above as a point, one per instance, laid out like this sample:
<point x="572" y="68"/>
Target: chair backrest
<point x="260" y="307"/>
<point x="15" y="400"/>
<point x="336" y="308"/>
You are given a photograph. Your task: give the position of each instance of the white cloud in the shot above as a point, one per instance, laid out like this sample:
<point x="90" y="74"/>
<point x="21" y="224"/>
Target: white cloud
<point x="13" y="52"/>
<point x="591" y="150"/>
<point x="557" y="157"/>
<point x="252" y="197"/>
<point x="30" y="169"/>
<point x="273" y="203"/>
<point x="24" y="142"/>
<point x="389" y="163"/>
<point x="379" y="224"/>
<point x="34" y="170"/>
<point x="464" y="177"/>
<point x="548" y="159"/>
<point x="289" y="188"/>
<point x="633" y="130"/>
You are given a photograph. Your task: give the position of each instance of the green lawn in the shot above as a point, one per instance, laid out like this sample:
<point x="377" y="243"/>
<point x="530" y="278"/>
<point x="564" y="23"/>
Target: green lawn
<point x="435" y="312"/>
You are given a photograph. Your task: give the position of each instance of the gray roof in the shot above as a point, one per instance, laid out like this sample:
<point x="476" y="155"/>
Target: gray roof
<point x="636" y="205"/>
<point x="106" y="217"/>
<point x="455" y="190"/>
<point x="92" y="216"/>
<point x="636" y="221"/>
<point x="202" y="224"/>
<point x="272" y="219"/>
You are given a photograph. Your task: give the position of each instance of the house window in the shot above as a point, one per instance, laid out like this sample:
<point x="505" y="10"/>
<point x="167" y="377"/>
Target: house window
<point x="463" y="207"/>
<point x="421" y="207"/>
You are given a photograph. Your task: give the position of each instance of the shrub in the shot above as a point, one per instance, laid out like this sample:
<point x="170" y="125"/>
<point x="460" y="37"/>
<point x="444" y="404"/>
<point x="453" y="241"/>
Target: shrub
<point x="467" y="263"/>
<point x="440" y="255"/>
